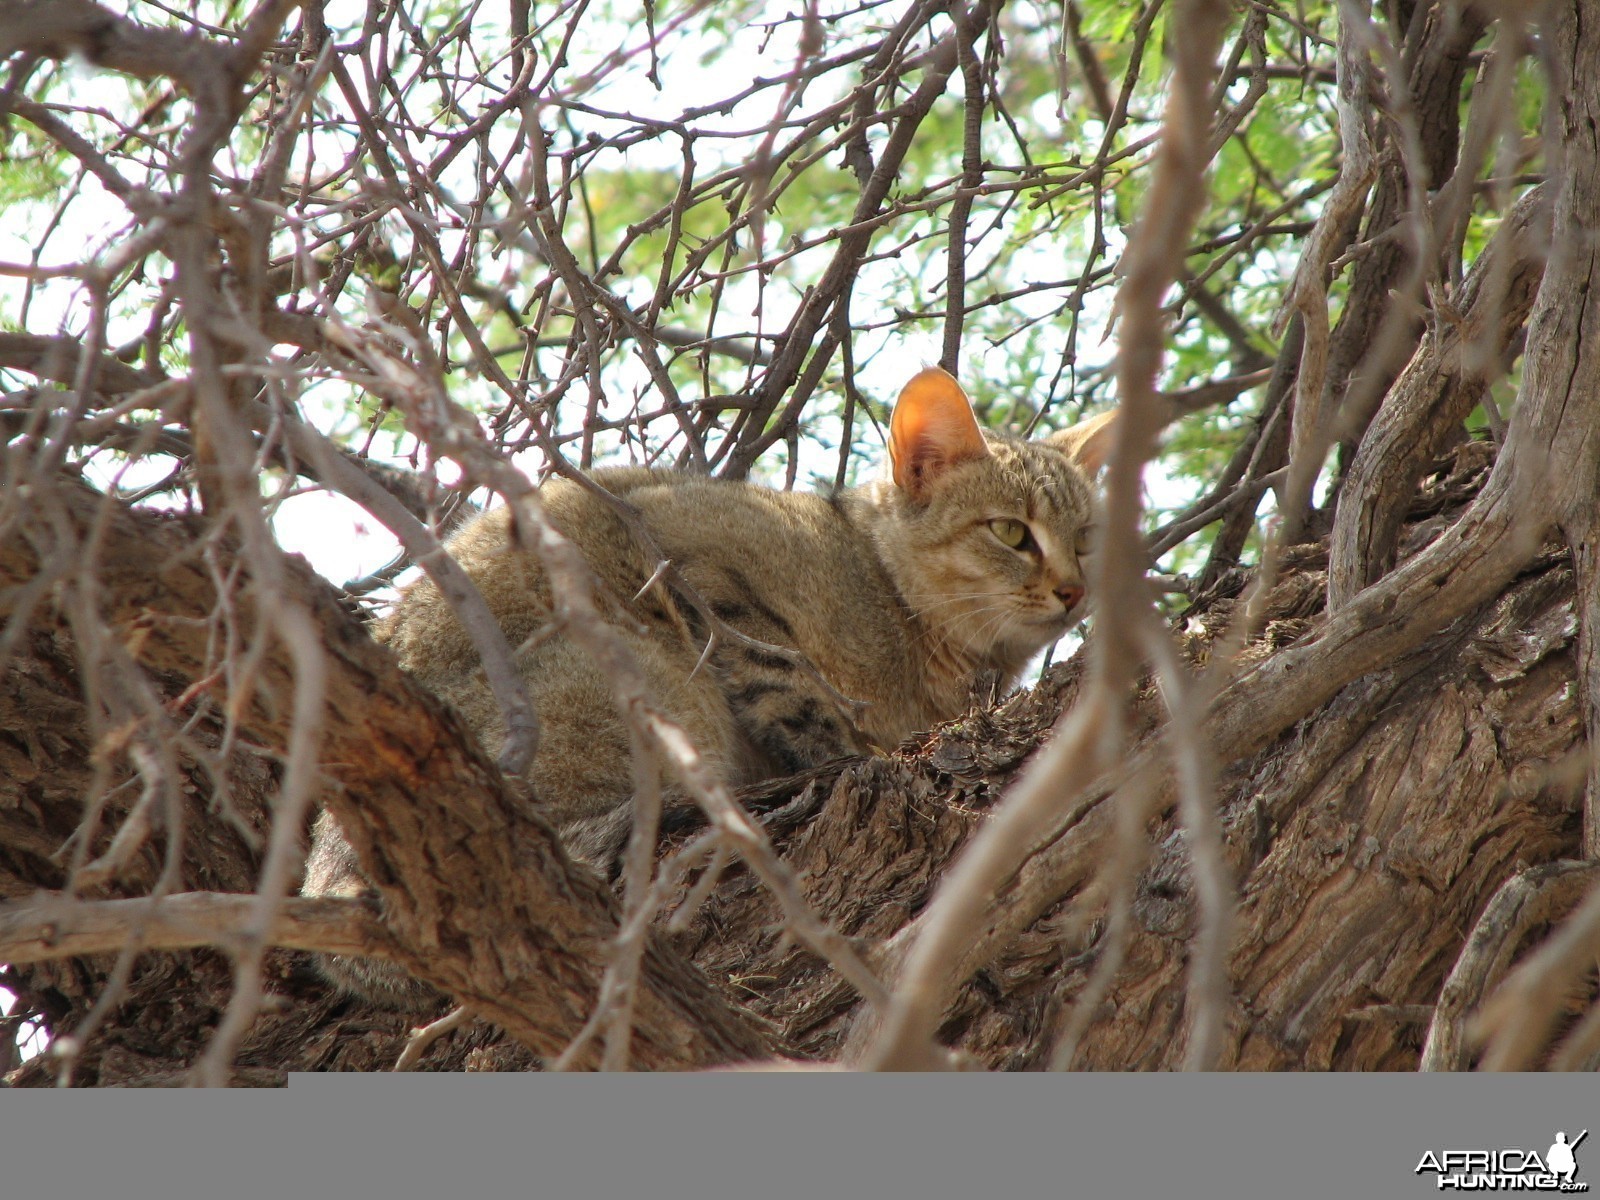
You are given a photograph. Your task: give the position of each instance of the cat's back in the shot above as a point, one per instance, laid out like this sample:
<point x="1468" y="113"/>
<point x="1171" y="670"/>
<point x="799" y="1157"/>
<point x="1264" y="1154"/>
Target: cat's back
<point x="743" y="546"/>
<point x="772" y="538"/>
<point x="794" y="559"/>
<point x="423" y="629"/>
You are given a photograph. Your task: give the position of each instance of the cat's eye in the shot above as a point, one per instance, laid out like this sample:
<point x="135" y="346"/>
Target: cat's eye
<point x="1011" y="533"/>
<point x="1083" y="540"/>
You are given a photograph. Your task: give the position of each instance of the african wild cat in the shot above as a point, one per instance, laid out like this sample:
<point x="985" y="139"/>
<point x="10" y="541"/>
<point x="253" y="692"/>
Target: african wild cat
<point x="903" y="593"/>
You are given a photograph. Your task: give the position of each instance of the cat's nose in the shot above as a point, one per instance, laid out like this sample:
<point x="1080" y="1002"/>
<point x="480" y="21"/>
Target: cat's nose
<point x="1070" y="595"/>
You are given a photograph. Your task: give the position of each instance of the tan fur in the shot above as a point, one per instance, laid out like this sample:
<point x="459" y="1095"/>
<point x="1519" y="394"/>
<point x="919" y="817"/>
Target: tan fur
<point x="899" y="592"/>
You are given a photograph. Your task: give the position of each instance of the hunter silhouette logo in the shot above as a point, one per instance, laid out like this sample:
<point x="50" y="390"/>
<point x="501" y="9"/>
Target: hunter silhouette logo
<point x="1559" y="1157"/>
<point x="1508" y="1170"/>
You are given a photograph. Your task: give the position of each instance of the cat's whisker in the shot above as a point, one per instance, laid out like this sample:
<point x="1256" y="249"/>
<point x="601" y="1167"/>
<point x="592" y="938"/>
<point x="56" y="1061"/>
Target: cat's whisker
<point x="999" y="611"/>
<point x="994" y="622"/>
<point x="957" y="598"/>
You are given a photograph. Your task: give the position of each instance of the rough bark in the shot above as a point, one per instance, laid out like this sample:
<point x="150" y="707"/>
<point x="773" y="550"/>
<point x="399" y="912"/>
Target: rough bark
<point x="1372" y="338"/>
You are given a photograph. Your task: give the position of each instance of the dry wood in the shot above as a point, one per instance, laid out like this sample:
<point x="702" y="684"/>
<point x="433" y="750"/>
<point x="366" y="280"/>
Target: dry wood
<point x="58" y="927"/>
<point x="1529" y="900"/>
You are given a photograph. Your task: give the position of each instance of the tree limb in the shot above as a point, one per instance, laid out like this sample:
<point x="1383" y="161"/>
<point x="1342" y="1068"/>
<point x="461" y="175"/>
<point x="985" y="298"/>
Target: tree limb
<point x="50" y="927"/>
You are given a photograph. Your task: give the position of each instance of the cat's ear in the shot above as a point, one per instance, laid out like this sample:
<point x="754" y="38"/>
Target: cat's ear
<point x="933" y="429"/>
<point x="1088" y="442"/>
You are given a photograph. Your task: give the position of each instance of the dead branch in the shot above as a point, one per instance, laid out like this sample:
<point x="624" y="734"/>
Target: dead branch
<point x="1450" y="372"/>
<point x="52" y="927"/>
<point x="1527" y="901"/>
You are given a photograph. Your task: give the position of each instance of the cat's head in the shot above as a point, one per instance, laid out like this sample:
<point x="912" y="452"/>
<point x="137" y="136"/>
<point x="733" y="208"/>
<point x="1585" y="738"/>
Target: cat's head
<point x="991" y="531"/>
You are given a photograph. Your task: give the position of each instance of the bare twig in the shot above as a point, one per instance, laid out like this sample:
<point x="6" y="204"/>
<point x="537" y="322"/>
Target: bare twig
<point x="495" y="653"/>
<point x="417" y="1045"/>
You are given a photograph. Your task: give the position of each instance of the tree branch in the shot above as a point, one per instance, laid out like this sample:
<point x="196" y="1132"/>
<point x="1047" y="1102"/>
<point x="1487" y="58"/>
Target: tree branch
<point x="52" y="927"/>
<point x="1446" y="378"/>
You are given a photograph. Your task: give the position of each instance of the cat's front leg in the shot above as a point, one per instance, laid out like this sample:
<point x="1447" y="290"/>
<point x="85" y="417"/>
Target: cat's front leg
<point x="788" y="714"/>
